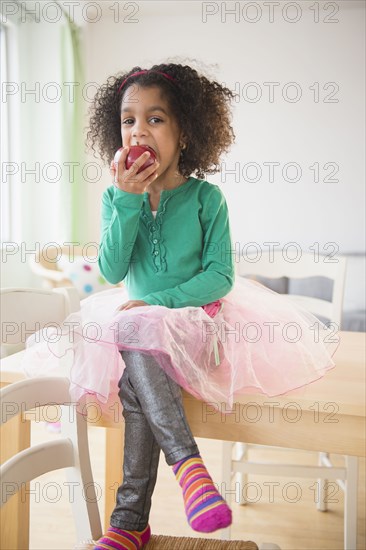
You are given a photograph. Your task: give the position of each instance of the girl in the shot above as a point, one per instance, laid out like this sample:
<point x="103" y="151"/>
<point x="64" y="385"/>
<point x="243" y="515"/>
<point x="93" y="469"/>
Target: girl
<point x="167" y="221"/>
<point x="179" y="320"/>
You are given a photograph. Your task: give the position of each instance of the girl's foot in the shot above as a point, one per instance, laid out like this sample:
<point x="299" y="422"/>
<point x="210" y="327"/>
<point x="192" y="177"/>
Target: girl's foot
<point x="120" y="539"/>
<point x="205" y="508"/>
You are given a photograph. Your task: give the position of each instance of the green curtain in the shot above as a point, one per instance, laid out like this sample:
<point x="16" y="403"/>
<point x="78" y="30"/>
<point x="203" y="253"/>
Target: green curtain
<point x="74" y="193"/>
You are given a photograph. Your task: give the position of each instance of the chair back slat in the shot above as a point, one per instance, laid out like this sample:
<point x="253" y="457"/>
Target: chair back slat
<point x="31" y="393"/>
<point x="32" y="463"/>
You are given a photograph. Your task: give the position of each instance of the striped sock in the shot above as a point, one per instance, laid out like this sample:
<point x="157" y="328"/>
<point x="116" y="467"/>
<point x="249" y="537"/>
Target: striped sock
<point x="205" y="508"/>
<point x="119" y="539"/>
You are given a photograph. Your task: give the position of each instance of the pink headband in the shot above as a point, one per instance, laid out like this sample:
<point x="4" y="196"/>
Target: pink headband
<point x="144" y="72"/>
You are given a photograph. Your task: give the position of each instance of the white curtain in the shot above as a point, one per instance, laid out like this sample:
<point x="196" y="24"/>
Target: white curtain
<point x="45" y="129"/>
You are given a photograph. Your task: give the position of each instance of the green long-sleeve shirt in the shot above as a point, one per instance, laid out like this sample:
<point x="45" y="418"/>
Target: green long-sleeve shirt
<point x="183" y="257"/>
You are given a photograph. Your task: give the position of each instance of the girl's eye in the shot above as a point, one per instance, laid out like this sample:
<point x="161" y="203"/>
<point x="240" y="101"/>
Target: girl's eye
<point x="153" y="119"/>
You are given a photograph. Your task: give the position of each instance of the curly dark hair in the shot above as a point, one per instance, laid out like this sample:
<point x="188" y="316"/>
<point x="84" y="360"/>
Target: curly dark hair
<point x="201" y="107"/>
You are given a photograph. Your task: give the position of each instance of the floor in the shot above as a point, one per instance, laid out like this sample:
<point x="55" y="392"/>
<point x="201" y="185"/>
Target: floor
<point x="281" y="510"/>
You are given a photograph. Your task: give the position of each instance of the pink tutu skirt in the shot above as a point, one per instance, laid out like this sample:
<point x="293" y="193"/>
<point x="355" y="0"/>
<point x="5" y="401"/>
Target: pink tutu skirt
<point x="253" y="340"/>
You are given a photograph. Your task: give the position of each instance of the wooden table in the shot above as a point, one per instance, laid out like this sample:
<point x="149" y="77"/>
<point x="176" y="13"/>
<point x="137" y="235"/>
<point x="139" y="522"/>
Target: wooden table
<point x="328" y="415"/>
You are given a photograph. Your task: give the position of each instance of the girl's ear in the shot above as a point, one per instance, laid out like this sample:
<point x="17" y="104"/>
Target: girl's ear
<point x="183" y="141"/>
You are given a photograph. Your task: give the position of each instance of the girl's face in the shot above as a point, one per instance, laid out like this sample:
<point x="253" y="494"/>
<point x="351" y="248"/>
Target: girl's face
<point x="146" y="119"/>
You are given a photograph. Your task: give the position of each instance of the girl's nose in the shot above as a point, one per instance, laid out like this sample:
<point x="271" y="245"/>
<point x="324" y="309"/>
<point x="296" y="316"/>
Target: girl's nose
<point x="139" y="130"/>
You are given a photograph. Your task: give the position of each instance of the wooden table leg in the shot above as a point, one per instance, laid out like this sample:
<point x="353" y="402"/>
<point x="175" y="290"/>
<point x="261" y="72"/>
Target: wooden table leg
<point x="113" y="468"/>
<point x="14" y="534"/>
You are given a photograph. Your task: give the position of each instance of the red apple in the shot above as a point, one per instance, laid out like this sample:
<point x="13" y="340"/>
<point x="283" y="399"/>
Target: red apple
<point x="135" y="152"/>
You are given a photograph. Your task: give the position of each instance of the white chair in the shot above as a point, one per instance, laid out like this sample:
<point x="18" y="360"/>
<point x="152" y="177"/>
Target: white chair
<point x="27" y="310"/>
<point x="23" y="312"/>
<point x="277" y="266"/>
<point x="71" y="451"/>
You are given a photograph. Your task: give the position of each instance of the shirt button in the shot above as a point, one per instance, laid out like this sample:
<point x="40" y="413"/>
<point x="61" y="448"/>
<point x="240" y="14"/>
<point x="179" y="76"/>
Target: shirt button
<point x="153" y="227"/>
<point x="156" y="252"/>
<point x="155" y="241"/>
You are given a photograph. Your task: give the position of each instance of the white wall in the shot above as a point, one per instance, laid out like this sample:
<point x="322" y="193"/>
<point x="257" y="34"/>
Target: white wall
<point x="305" y="132"/>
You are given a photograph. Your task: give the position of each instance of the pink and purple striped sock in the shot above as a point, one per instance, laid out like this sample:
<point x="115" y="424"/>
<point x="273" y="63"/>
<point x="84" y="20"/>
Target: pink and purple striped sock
<point x="205" y="508"/>
<point x="120" y="539"/>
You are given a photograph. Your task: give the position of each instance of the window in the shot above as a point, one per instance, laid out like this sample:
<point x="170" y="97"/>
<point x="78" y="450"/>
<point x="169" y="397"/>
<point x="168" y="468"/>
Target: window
<point x="4" y="152"/>
<point x="9" y="132"/>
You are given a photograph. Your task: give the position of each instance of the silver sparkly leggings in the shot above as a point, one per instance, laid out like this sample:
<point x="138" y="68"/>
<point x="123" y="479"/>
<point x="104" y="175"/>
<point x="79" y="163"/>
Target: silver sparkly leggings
<point x="154" y="420"/>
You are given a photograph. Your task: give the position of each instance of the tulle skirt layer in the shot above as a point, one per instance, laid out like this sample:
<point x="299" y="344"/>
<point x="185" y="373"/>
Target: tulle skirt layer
<point x="258" y="342"/>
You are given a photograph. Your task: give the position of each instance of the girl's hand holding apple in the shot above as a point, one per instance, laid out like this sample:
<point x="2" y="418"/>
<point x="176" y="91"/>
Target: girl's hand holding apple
<point x="134" y="168"/>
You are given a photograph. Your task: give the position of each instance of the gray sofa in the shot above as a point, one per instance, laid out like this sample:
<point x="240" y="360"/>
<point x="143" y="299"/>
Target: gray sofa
<point x="354" y="304"/>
